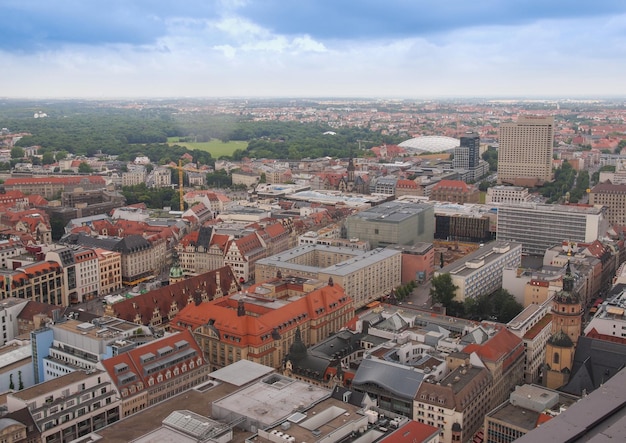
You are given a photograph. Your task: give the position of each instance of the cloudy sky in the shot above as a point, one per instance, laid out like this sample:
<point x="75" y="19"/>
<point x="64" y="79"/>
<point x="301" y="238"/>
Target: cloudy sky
<point x="312" y="48"/>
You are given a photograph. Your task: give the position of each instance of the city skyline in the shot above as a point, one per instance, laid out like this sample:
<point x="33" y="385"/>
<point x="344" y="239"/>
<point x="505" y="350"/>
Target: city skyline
<point x="312" y="49"/>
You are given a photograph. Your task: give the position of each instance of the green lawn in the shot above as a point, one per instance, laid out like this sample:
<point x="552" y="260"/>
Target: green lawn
<point x="216" y="147"/>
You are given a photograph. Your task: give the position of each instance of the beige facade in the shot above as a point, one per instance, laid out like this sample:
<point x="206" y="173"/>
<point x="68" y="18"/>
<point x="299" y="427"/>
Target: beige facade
<point x="525" y="151"/>
<point x="614" y="198"/>
<point x="110" y="267"/>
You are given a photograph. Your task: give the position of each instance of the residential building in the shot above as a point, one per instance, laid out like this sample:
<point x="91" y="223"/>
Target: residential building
<point x="525" y="151"/>
<point x="10" y="309"/>
<point x="242" y="254"/>
<point x="365" y="275"/>
<point x="540" y="226"/>
<point x="70" y="406"/>
<point x="134" y="176"/>
<point x="248" y="179"/>
<point x="161" y="177"/>
<point x="261" y="325"/>
<point x="480" y="272"/>
<point x="110" y="270"/>
<point x="156" y="371"/>
<point x="87" y="274"/>
<point x="42" y="282"/>
<point x="609" y="322"/>
<point x="613" y="197"/>
<point x="534" y="326"/>
<point x="393" y="223"/>
<point x="457" y="404"/>
<point x="503" y="355"/>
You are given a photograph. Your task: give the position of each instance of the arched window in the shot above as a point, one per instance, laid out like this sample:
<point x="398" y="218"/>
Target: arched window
<point x="555" y="358"/>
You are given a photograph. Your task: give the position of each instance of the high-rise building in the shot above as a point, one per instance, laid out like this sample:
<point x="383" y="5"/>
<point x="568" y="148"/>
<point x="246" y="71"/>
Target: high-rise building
<point x="525" y="151"/>
<point x="467" y="155"/>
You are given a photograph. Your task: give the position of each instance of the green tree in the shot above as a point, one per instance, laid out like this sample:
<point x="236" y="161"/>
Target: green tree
<point x="47" y="158"/>
<point x="19" y="381"/>
<point x="84" y="168"/>
<point x="443" y="289"/>
<point x="11" y="385"/>
<point x="17" y="152"/>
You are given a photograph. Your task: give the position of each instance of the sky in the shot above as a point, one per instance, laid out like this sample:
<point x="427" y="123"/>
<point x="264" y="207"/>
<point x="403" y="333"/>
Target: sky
<point x="312" y="48"/>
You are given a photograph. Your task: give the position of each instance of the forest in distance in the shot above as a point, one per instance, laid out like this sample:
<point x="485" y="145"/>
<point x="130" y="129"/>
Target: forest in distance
<point x="83" y="128"/>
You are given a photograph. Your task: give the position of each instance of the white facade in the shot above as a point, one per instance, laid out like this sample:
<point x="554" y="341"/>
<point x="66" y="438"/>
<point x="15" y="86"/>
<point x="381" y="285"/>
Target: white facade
<point x="480" y="272"/>
<point x="610" y="319"/>
<point x="507" y="194"/>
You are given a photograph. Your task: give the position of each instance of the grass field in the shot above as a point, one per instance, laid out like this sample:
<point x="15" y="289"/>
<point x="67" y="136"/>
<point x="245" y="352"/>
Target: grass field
<point x="215" y="147"/>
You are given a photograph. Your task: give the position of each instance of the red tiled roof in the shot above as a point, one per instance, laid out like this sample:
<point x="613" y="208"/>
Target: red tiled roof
<point x="503" y="345"/>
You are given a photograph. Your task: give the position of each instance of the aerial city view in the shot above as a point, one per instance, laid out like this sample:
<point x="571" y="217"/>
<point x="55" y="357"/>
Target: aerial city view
<point x="312" y="222"/>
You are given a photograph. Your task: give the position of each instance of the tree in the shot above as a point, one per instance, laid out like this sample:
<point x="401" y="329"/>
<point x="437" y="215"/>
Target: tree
<point x="84" y="168"/>
<point x="11" y="385"/>
<point x="443" y="289"/>
<point x="17" y="152"/>
<point x="19" y="381"/>
<point x="47" y="158"/>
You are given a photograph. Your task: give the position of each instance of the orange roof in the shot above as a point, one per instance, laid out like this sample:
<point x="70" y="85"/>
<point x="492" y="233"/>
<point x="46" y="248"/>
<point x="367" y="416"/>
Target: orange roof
<point x="536" y="329"/>
<point x="255" y="329"/>
<point x="502" y="345"/>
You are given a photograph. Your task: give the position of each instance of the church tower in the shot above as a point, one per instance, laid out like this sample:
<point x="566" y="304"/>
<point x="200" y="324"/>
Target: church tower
<point x="176" y="271"/>
<point x="566" y="328"/>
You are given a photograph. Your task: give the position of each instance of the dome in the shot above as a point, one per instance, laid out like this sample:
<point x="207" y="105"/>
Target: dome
<point x="431" y="143"/>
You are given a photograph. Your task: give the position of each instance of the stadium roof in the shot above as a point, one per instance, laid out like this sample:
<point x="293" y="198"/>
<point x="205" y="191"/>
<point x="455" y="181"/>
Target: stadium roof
<point x="431" y="143"/>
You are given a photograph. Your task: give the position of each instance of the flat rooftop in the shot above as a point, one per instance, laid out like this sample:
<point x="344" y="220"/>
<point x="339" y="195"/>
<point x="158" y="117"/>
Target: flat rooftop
<point x="151" y="418"/>
<point x="480" y="258"/>
<point x="273" y="399"/>
<point x="55" y="384"/>
<point x="517" y="416"/>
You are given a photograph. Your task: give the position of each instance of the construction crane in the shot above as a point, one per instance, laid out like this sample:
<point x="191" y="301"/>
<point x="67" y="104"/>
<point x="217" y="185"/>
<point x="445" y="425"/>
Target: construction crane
<point x="181" y="188"/>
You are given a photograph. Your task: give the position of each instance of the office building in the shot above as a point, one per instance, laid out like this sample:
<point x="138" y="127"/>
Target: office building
<point x="539" y="226"/>
<point x="365" y="275"/>
<point x="507" y="195"/>
<point x="525" y="151"/>
<point x="480" y="273"/>
<point x="467" y="155"/>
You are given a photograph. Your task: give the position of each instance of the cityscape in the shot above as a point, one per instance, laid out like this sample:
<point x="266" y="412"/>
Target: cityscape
<point x="347" y="222"/>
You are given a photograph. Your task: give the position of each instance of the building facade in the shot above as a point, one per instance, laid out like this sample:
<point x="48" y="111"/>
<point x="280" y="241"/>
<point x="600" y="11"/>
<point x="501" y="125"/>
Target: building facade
<point x="539" y="226"/>
<point x="525" y="151"/>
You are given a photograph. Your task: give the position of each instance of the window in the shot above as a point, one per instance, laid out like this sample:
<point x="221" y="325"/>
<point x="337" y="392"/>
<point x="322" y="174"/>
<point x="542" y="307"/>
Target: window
<point x="555" y="358"/>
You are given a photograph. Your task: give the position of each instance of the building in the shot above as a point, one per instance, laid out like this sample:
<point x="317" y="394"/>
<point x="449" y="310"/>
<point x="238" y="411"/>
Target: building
<point x="69" y="407"/>
<point x="566" y="328"/>
<point x="156" y="308"/>
<point x="67" y="344"/>
<point x="365" y="275"/>
<point x="110" y="270"/>
<point x="609" y="322"/>
<point x="507" y="194"/>
<point x="42" y="282"/>
<point x="503" y="355"/>
<point x="466" y="223"/>
<point x="539" y="226"/>
<point x="455" y="191"/>
<point x="612" y="196"/>
<point x="467" y="155"/>
<point x="525" y="151"/>
<point x="156" y="371"/>
<point x="47" y="187"/>
<point x="534" y="326"/>
<point x="528" y="407"/>
<point x="248" y="179"/>
<point x="599" y="416"/>
<point x="260" y="326"/>
<point x="457" y="404"/>
<point x="393" y="223"/>
<point x="480" y="272"/>
<point x="418" y="262"/>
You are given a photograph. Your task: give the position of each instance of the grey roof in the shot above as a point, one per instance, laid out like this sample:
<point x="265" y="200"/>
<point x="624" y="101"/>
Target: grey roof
<point x="353" y="397"/>
<point x="595" y="362"/>
<point x="81" y="239"/>
<point x="241" y="372"/>
<point x="597" y="418"/>
<point x="132" y="243"/>
<point x="393" y="211"/>
<point x="402" y="381"/>
<point x="204" y="237"/>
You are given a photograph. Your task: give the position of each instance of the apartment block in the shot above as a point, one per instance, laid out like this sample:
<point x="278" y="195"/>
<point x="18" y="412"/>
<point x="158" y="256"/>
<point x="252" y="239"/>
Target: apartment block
<point x="525" y="151"/>
<point x="613" y="196"/>
<point x="507" y="195"/>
